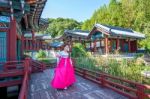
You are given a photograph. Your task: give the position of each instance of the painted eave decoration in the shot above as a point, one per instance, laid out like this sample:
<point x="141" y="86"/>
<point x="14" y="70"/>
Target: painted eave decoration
<point x="4" y="19"/>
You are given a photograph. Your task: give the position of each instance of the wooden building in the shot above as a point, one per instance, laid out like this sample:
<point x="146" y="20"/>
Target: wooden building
<point x="106" y="39"/>
<point x="17" y="18"/>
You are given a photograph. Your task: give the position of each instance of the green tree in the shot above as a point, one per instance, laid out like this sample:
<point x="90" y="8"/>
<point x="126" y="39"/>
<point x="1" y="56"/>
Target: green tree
<point x="57" y="26"/>
<point x="133" y="14"/>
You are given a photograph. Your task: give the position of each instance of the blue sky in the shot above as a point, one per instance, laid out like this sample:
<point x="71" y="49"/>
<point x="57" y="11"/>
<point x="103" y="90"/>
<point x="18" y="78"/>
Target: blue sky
<point x="79" y="10"/>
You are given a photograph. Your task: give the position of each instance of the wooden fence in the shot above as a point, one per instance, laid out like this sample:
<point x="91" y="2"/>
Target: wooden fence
<point x="127" y="88"/>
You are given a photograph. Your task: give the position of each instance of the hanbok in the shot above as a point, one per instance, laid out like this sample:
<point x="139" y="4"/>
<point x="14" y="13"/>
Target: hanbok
<point x="64" y="75"/>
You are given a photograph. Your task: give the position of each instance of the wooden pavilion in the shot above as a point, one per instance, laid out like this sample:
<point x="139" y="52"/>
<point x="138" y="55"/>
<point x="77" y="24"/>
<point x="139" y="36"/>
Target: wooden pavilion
<point x="106" y="39"/>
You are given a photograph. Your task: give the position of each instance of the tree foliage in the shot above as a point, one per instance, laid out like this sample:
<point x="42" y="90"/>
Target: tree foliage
<point x="57" y="26"/>
<point x="78" y="51"/>
<point x="133" y="14"/>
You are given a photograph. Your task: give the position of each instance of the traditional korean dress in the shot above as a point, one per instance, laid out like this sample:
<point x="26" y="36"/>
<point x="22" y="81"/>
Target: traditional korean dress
<point x="64" y="73"/>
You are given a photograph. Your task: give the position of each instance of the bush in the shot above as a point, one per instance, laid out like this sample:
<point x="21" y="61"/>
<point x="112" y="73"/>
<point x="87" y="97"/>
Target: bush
<point x="124" y="68"/>
<point x="78" y="51"/>
<point x="48" y="60"/>
<point x="41" y="54"/>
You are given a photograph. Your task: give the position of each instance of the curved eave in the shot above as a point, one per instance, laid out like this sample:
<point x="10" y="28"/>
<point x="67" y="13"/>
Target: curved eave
<point x="37" y="7"/>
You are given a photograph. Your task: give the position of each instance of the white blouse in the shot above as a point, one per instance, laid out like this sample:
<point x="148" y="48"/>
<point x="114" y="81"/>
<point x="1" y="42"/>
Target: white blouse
<point x="64" y="54"/>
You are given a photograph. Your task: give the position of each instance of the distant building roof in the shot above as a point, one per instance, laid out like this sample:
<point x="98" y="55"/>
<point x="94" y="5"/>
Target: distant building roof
<point x="76" y="33"/>
<point x="119" y="31"/>
<point x="38" y="36"/>
<point x="56" y="44"/>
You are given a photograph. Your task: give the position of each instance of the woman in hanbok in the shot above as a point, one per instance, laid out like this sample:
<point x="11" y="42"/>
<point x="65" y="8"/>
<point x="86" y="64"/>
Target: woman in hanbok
<point x="64" y="75"/>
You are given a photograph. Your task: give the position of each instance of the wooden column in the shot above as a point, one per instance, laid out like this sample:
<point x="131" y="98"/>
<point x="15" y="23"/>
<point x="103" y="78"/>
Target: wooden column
<point x="12" y="41"/>
<point x="129" y="45"/>
<point x="100" y="43"/>
<point x="90" y="46"/>
<point x="122" y="44"/>
<point x="80" y="40"/>
<point x="118" y="44"/>
<point x="84" y="44"/>
<point x="22" y="45"/>
<point x="27" y="45"/>
<point x="40" y="44"/>
<point x="136" y="45"/>
<point x="110" y="47"/>
<point x="106" y="45"/>
<point x="26" y="21"/>
<point x="33" y="40"/>
<point x="94" y="45"/>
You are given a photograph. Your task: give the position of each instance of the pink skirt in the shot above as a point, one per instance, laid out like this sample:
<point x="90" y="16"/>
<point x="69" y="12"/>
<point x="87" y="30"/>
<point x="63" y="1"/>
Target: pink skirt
<point x="64" y="75"/>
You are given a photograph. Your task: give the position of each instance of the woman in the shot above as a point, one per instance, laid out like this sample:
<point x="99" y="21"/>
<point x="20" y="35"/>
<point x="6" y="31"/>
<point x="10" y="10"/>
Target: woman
<point x="64" y="73"/>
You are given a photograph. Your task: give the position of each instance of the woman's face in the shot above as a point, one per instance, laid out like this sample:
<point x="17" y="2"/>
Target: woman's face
<point x="66" y="48"/>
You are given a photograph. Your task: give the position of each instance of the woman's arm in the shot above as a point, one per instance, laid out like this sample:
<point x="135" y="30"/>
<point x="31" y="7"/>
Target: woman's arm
<point x="71" y="62"/>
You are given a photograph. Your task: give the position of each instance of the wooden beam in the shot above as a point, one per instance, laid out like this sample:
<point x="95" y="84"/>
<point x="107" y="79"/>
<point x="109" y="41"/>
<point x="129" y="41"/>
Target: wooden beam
<point x="10" y="83"/>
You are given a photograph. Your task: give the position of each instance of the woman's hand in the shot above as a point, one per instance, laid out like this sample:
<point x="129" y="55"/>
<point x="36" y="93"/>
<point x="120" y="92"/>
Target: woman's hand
<point x="71" y="62"/>
<point x="57" y="55"/>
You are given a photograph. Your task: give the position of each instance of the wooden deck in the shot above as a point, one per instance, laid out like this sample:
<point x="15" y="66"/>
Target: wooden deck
<point x="83" y="89"/>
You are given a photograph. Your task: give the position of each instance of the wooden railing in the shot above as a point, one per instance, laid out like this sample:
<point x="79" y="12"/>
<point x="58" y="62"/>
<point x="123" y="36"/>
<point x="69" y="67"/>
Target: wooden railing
<point x="127" y="88"/>
<point x="12" y="69"/>
<point x="24" y="89"/>
<point x="37" y="66"/>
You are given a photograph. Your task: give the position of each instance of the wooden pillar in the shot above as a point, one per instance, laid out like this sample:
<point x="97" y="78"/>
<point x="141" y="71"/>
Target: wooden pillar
<point x="29" y="41"/>
<point x="129" y="45"/>
<point x="100" y="43"/>
<point x="12" y="41"/>
<point x="27" y="44"/>
<point x="110" y="46"/>
<point x="90" y="45"/>
<point x="41" y="44"/>
<point x="106" y="45"/>
<point x="136" y="46"/>
<point x="94" y="45"/>
<point x="26" y="21"/>
<point x="122" y="45"/>
<point x="85" y="44"/>
<point x="33" y="34"/>
<point x="118" y="44"/>
<point x="71" y="45"/>
<point x="80" y="40"/>
<point x="22" y="45"/>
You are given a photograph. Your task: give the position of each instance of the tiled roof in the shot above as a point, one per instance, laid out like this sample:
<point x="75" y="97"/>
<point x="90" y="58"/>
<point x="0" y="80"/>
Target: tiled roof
<point x="39" y="36"/>
<point x="56" y="44"/>
<point x="119" y="31"/>
<point x="77" y="33"/>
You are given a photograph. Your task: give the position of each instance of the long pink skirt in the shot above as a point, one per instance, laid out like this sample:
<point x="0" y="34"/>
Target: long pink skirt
<point x="64" y="74"/>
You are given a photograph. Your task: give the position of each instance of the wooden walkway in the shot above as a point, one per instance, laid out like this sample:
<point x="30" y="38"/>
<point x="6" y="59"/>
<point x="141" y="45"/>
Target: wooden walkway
<point x="83" y="89"/>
